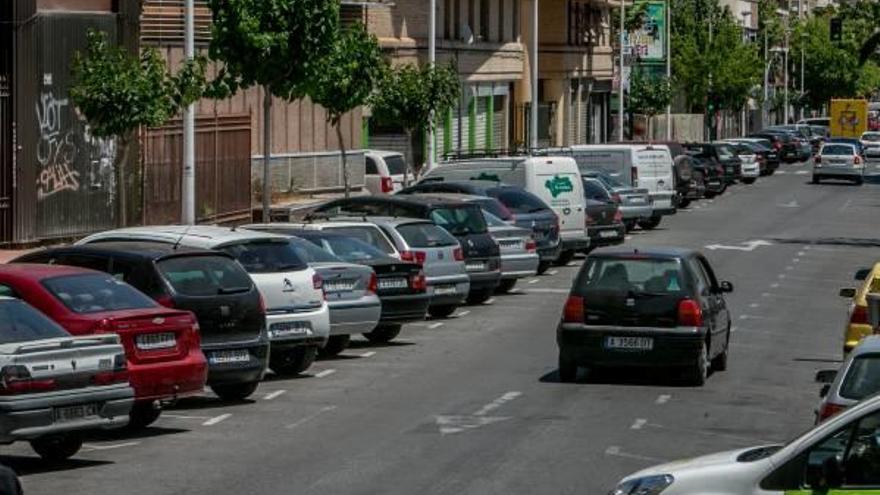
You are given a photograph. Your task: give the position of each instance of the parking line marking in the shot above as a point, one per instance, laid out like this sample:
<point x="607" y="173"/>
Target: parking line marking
<point x="464" y="313"/>
<point x="801" y="253"/>
<point x="310" y="417"/>
<point x="534" y="281"/>
<point x="754" y="305"/>
<point x="274" y="394"/>
<point x="616" y="452"/>
<point x="435" y="325"/>
<point x="663" y="399"/>
<point x="789" y="267"/>
<point x="324" y="373"/>
<point x="774" y="285"/>
<point x="638" y="424"/>
<point x="489" y="301"/>
<point x="553" y="272"/>
<point x="367" y="354"/>
<point x="781" y="275"/>
<point x="796" y="260"/>
<point x="732" y="329"/>
<point x="182" y="416"/>
<point x="217" y="419"/>
<point x="539" y="290"/>
<point x="91" y="446"/>
<point x="802" y="172"/>
<point x="495" y="404"/>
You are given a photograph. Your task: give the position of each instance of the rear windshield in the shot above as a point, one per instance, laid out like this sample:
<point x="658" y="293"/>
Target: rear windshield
<point x="22" y="323"/>
<point x="862" y="378"/>
<point x="368" y="234"/>
<point x="519" y="201"/>
<point x="495" y="207"/>
<point x="268" y="256"/>
<point x="871" y="136"/>
<point x="492" y="220"/>
<point x="204" y="275"/>
<point x="425" y="235"/>
<point x="94" y="293"/>
<point x="725" y="152"/>
<point x="460" y="221"/>
<point x="837" y="149"/>
<point x="594" y="190"/>
<point x="312" y="253"/>
<point x="396" y="164"/>
<point x="347" y="248"/>
<point x="652" y="276"/>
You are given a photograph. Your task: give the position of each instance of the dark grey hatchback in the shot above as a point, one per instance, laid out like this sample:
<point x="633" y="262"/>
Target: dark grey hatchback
<point x="645" y="307"/>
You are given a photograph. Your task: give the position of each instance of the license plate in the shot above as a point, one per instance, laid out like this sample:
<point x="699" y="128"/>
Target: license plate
<point x="339" y="286"/>
<point x="637" y="201"/>
<point x="233" y="356"/>
<point x="634" y="343"/>
<point x="393" y="283"/>
<point x="289" y="328"/>
<point x="605" y="234"/>
<point x="73" y="413"/>
<point x="444" y="289"/>
<point x="475" y="267"/>
<point x="155" y="341"/>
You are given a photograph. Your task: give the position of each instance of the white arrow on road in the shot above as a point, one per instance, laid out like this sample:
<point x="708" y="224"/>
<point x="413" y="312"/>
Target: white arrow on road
<point x="457" y="423"/>
<point x="747" y="246"/>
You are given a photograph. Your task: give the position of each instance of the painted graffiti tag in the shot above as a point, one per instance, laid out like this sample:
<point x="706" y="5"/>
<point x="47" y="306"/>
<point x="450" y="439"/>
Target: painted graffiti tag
<point x="56" y="148"/>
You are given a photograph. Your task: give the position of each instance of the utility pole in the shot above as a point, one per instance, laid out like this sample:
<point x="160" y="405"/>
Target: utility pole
<point x="432" y="60"/>
<point x="785" y="59"/>
<point x="533" y="60"/>
<point x="668" y="67"/>
<point x="188" y="188"/>
<point x="620" y="82"/>
<point x="802" y="80"/>
<point x="766" y="84"/>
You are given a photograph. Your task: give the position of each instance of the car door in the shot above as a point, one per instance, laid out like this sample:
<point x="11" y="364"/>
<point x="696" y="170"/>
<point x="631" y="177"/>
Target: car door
<point x="718" y="306"/>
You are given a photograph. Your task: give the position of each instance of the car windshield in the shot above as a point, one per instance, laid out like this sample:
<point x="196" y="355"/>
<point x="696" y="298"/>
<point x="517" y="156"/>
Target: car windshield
<point x="519" y="202"/>
<point x="837" y="149"/>
<point x="725" y="152"/>
<point x="862" y="378"/>
<point x="425" y="235"/>
<point x="266" y="256"/>
<point x="594" y="189"/>
<point x="312" y="253"/>
<point x="95" y="293"/>
<point x="396" y="164"/>
<point x="22" y="323"/>
<point x="367" y="233"/>
<point x="460" y="221"/>
<point x="662" y="276"/>
<point x="610" y="181"/>
<point x="871" y="136"/>
<point x="347" y="248"/>
<point x="204" y="275"/>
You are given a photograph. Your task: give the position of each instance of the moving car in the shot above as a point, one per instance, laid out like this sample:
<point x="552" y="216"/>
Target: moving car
<point x="297" y="316"/>
<point x="838" y="161"/>
<point x="210" y="284"/>
<point x="385" y="171"/>
<point x="860" y="147"/>
<point x="871" y="143"/>
<point x="645" y="307"/>
<point x="161" y="344"/>
<point x="54" y="386"/>
<point x="463" y="220"/>
<point x="604" y="222"/>
<point x="857" y="325"/>
<point x="840" y="456"/>
<point x="519" y="257"/>
<point x="857" y="378"/>
<point x="634" y="203"/>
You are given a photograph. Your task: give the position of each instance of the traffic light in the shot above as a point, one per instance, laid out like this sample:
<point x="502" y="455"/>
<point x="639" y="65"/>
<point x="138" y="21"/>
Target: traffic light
<point x="836" y="28"/>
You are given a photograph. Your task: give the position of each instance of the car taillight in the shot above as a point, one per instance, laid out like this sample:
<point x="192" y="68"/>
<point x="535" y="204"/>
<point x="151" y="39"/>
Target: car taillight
<point x="373" y="285"/>
<point x="616" y="198"/>
<point x="16" y="379"/>
<point x="859" y="315"/>
<point x="414" y="256"/>
<point x="418" y="281"/>
<point x="857" y="160"/>
<point x="635" y="177"/>
<point x="458" y="254"/>
<point x="618" y="217"/>
<point x="690" y="314"/>
<point x="828" y="410"/>
<point x="777" y="145"/>
<point x="195" y="331"/>
<point x="317" y="282"/>
<point x="531" y="245"/>
<point x="588" y="220"/>
<point x="818" y="159"/>
<point x="262" y="304"/>
<point x="119" y="373"/>
<point x="166" y="301"/>
<point x="103" y="326"/>
<point x="573" y="312"/>
<point x="386" y="184"/>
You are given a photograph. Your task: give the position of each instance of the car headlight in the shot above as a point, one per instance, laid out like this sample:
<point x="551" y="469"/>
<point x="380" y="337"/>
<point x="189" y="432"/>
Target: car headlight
<point x="647" y="485"/>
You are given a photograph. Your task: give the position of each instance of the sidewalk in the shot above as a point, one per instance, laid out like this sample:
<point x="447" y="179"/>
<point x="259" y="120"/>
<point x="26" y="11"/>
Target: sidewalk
<point x="8" y="254"/>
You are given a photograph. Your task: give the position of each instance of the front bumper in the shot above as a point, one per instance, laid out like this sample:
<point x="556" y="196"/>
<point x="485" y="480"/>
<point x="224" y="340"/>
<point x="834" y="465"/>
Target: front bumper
<point x="32" y="416"/>
<point x="449" y="289"/>
<point x="671" y="347"/>
<point x="312" y="327"/>
<point x="515" y="266"/>
<point x="404" y="309"/>
<point x="353" y="317"/>
<point x="169" y="380"/>
<point x="695" y="191"/>
<point x="607" y="235"/>
<point x="230" y="373"/>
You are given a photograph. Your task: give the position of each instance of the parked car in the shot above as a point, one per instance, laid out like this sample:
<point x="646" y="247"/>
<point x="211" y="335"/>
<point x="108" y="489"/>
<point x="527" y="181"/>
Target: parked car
<point x="528" y="211"/>
<point x="857" y="325"/>
<point x="297" y="316"/>
<point x="634" y="203"/>
<point x="400" y="285"/>
<point x="645" y="307"/>
<point x="9" y="482"/>
<point x="519" y="257"/>
<point x="751" y="162"/>
<point x="763" y="148"/>
<point x="802" y="137"/>
<point x="688" y="184"/>
<point x="871" y="144"/>
<point x="838" y="161"/>
<point x="462" y="220"/>
<point x="838" y="456"/>
<point x="857" y="379"/>
<point x="604" y="222"/>
<point x="161" y="344"/>
<point x="820" y="121"/>
<point x="783" y="143"/>
<point x="722" y="154"/>
<point x="210" y="284"/>
<point x="385" y="171"/>
<point x="54" y="386"/>
<point x="713" y="175"/>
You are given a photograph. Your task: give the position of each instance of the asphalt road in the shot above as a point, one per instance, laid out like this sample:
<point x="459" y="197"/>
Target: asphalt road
<point x="472" y="404"/>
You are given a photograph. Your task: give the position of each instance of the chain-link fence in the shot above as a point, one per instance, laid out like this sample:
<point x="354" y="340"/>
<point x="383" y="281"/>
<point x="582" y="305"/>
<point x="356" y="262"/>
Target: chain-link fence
<point x="309" y="172"/>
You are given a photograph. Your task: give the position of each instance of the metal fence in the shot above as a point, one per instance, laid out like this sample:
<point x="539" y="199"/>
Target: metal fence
<point x="309" y="172"/>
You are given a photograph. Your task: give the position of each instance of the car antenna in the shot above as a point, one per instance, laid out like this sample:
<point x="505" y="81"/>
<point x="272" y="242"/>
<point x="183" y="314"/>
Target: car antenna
<point x="179" y="239"/>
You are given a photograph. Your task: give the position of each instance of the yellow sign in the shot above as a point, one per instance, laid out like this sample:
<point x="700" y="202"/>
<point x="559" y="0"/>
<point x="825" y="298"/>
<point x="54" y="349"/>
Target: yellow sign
<point x="849" y="118"/>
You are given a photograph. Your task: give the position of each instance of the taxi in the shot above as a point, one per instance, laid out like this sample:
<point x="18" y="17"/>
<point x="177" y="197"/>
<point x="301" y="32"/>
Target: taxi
<point x="857" y="324"/>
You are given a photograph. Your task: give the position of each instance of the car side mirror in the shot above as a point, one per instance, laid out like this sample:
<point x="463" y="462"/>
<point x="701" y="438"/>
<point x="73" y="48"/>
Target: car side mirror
<point x="862" y="274"/>
<point x="847" y="292"/>
<point x="725" y="286"/>
<point x="823" y="392"/>
<point x="826" y="376"/>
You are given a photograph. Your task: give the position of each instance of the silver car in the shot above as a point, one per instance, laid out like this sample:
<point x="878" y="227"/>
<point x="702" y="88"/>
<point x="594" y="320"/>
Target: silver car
<point x="519" y="256"/>
<point x="838" y="161"/>
<point x="635" y="203"/>
<point x="857" y="378"/>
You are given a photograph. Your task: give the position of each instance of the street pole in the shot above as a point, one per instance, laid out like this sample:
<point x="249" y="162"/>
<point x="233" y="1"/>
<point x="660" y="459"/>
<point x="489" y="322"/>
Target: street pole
<point x="533" y="59"/>
<point x="785" y="81"/>
<point x="432" y="60"/>
<point x="620" y="81"/>
<point x="188" y="188"/>
<point x="669" y="67"/>
<point x="802" y="80"/>
<point x="766" y="84"/>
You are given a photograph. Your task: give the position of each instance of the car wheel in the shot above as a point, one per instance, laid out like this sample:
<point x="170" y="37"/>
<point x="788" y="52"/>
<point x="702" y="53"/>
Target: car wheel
<point x="749" y="181"/>
<point x="383" y="333"/>
<point x="143" y="414"/>
<point x="699" y="371"/>
<point x="505" y="286"/>
<point x="235" y="392"/>
<point x="442" y="311"/>
<point x="335" y="345"/>
<point x="815" y="179"/>
<point x="479" y="297"/>
<point x="543" y="266"/>
<point x="684" y="202"/>
<point x="292" y="361"/>
<point x="650" y="223"/>
<point x="55" y="448"/>
<point x="567" y="366"/>
<point x="720" y="361"/>
<point x="564" y="258"/>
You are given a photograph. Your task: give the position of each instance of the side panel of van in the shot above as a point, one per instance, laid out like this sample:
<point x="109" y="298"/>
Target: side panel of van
<point x="656" y="174"/>
<point x="559" y="185"/>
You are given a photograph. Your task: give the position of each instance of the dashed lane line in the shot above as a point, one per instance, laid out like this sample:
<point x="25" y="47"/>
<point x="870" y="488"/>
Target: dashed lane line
<point x="435" y="325"/>
<point x="310" y="417"/>
<point x="367" y="354"/>
<point x="87" y="447"/>
<point x="274" y="395"/>
<point x="638" y="424"/>
<point x="616" y="452"/>
<point x="663" y="399"/>
<point x="217" y="419"/>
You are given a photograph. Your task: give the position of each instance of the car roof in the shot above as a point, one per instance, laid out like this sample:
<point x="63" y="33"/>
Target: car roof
<point x="646" y="252"/>
<point x="428" y="200"/>
<point x="135" y="249"/>
<point x="868" y="345"/>
<point x="391" y="221"/>
<point x="456" y="196"/>
<point x="40" y="271"/>
<point x="201" y="235"/>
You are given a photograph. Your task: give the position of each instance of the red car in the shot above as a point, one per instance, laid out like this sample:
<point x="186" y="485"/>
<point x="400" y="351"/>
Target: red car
<point x="162" y="345"/>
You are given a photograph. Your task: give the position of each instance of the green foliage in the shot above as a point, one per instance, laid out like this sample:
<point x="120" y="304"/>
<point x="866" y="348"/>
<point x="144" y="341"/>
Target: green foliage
<point x="410" y="95"/>
<point x="277" y="44"/>
<point x="648" y="95"/>
<point x="117" y="91"/>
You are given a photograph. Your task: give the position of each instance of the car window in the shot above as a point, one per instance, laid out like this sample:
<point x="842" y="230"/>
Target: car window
<point x="22" y="323"/>
<point x="725" y="152"/>
<point x="495" y="207"/>
<point x="519" y="201"/>
<point x="460" y="221"/>
<point x="492" y="220"/>
<point x="368" y="234"/>
<point x="837" y="149"/>
<point x="871" y="136"/>
<point x="204" y="275"/>
<point x="370" y="166"/>
<point x="708" y="272"/>
<point x="122" y="269"/>
<point x="266" y="256"/>
<point x="657" y="275"/>
<point x="396" y="165"/>
<point x="347" y="248"/>
<point x="356" y="208"/>
<point x="312" y="253"/>
<point x="594" y="190"/>
<point x="862" y="377"/>
<point x="7" y="291"/>
<point x="849" y="458"/>
<point x="94" y="293"/>
<point x="425" y="235"/>
<point x="703" y="283"/>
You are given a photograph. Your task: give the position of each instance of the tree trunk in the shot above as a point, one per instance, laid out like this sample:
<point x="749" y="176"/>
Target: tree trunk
<point x="346" y="180"/>
<point x="267" y="152"/>
<point x="121" y="160"/>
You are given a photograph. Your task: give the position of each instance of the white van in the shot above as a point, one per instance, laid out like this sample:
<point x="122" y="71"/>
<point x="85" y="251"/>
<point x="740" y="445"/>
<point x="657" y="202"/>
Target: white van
<point x="554" y="179"/>
<point x="385" y="171"/>
<point x="637" y="165"/>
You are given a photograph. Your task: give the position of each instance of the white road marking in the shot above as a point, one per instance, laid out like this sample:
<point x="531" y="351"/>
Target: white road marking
<point x="780" y="172"/>
<point x="807" y="248"/>
<point x="216" y="419"/>
<point x="638" y="424"/>
<point x="368" y="354"/>
<point x="732" y="329"/>
<point x="324" y="373"/>
<point x="628" y="237"/>
<point x="616" y="452"/>
<point x="275" y="394"/>
<point x="743" y="317"/>
<point x="310" y="417"/>
<point x="754" y="305"/>
<point x="464" y="313"/>
<point x="663" y="399"/>
<point x="457" y="423"/>
<point x="570" y="263"/>
<point x="553" y="272"/>
<point x="796" y="260"/>
<point x="182" y="416"/>
<point x="802" y="172"/>
<point x="801" y="253"/>
<point x="747" y="246"/>
<point x="495" y="404"/>
<point x="774" y="285"/>
<point x="435" y="325"/>
<point x="489" y="301"/>
<point x="540" y="290"/>
<point x="533" y="281"/>
<point x="90" y="446"/>
<point x="514" y="290"/>
<point x="789" y="267"/>
<point x="781" y="275"/>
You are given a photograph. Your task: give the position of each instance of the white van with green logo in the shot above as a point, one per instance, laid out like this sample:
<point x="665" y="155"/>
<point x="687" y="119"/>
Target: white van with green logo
<point x="554" y="179"/>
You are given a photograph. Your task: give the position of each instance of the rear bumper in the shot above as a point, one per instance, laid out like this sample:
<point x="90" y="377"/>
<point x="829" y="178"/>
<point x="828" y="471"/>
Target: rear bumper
<point x="169" y="380"/>
<point x="519" y="265"/>
<point x="843" y="172"/>
<point x="635" y="212"/>
<point x="751" y="172"/>
<point x="695" y="192"/>
<point x="587" y="345"/>
<point x="32" y="416"/>
<point x="484" y="281"/>
<point x="316" y="334"/>
<point x="248" y="371"/>
<point x="440" y="289"/>
<point x="715" y="185"/>
<point x="663" y="204"/>
<point x="403" y="309"/>
<point x="607" y="235"/>
<point x="351" y="317"/>
<point x="550" y="251"/>
<point x="873" y="151"/>
<point x="576" y="243"/>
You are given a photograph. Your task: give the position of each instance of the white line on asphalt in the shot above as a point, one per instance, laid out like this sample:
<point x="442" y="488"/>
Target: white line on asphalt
<point x="310" y="417"/>
<point x="489" y="301"/>
<point x="495" y="404"/>
<point x="464" y="313"/>
<point x="553" y="272"/>
<point x="182" y="416"/>
<point x="628" y="237"/>
<point x="807" y="248"/>
<point x="801" y="253"/>
<point x="774" y="285"/>
<point x="754" y="305"/>
<point x="368" y="354"/>
<point x="638" y="424"/>
<point x="570" y="263"/>
<point x="796" y="260"/>
<point x="733" y="329"/>
<point x="324" y="373"/>
<point x="216" y="419"/>
<point x="91" y="446"/>
<point x="789" y="267"/>
<point x="663" y="399"/>
<point x="514" y="290"/>
<point x="802" y="172"/>
<point x="534" y="281"/>
<point x="743" y="317"/>
<point x="435" y="325"/>
<point x="781" y="172"/>
<point x="275" y="394"/>
<point x="781" y="275"/>
<point x="616" y="452"/>
<point x="539" y="290"/>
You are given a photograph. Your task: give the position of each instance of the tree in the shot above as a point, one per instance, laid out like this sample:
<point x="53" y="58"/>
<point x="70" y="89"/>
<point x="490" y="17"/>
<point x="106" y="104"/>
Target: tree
<point x="117" y="92"/>
<point x="277" y="44"/>
<point x="409" y="96"/>
<point x="345" y="80"/>
<point x="648" y="94"/>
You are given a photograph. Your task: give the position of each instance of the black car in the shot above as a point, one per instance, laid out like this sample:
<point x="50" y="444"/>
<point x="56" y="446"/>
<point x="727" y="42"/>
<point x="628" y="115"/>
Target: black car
<point x="764" y="149"/>
<point x="463" y="220"/>
<point x="401" y="285"/>
<point x="722" y="154"/>
<point x="526" y="210"/>
<point x="603" y="219"/>
<point x="690" y="182"/>
<point x="645" y="307"/>
<point x="783" y="142"/>
<point x="211" y="284"/>
<point x="713" y="176"/>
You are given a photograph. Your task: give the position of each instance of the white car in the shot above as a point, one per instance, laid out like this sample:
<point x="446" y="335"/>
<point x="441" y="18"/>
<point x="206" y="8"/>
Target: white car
<point x="838" y="161"/>
<point x="297" y="314"/>
<point x="840" y="456"/>
<point x="385" y="172"/>
<point x="751" y="168"/>
<point x="871" y="143"/>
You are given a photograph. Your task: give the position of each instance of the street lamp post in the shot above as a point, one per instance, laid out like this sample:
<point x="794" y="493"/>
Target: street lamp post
<point x="802" y="79"/>
<point x="188" y="189"/>
<point x="533" y="61"/>
<point x="620" y="78"/>
<point x="432" y="60"/>
<point x="668" y="67"/>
